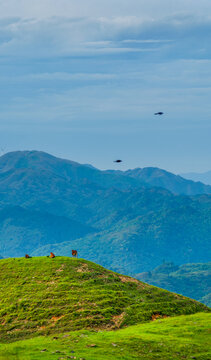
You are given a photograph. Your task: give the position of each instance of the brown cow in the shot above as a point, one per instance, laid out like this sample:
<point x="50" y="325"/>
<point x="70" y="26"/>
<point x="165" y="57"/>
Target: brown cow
<point x="27" y="256"/>
<point x="75" y="253"/>
<point x="52" y="255"/>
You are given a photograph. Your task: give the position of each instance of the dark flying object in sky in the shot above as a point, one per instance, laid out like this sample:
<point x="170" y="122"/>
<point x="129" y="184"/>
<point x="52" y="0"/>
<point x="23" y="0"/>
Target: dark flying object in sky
<point x="117" y="161"/>
<point x="158" y="113"/>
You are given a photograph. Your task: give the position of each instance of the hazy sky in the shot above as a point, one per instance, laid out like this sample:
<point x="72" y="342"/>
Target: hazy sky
<point x="82" y="80"/>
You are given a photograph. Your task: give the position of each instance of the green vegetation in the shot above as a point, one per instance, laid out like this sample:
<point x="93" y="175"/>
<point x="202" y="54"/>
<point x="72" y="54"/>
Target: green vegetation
<point x="22" y="230"/>
<point x="192" y="280"/>
<point x="174" y="183"/>
<point x="42" y="296"/>
<point x="65" y="308"/>
<point x="183" y="337"/>
<point x="117" y="220"/>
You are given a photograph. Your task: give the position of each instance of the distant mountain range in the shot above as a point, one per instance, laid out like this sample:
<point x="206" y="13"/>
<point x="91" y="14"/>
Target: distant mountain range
<point x="161" y="178"/>
<point x="26" y="229"/>
<point x="192" y="280"/>
<point x="203" y="177"/>
<point x="127" y="221"/>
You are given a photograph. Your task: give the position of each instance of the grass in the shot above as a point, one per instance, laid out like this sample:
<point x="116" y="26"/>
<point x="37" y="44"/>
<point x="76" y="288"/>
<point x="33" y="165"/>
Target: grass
<point x="43" y="296"/>
<point x="182" y="337"/>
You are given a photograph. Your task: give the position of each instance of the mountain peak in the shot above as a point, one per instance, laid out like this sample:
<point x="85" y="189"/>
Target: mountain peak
<point x="175" y="183"/>
<point x="33" y="159"/>
<point x="129" y="217"/>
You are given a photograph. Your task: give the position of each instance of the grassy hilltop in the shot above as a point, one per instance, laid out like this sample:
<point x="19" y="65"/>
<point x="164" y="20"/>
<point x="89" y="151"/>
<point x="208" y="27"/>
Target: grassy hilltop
<point x="46" y="296"/>
<point x="65" y="308"/>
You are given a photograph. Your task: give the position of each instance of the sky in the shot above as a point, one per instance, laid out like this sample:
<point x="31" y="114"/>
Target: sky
<point x="83" y="79"/>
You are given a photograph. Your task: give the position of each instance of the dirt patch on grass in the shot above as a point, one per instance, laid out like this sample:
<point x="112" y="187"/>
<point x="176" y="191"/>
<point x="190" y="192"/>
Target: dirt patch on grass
<point x="118" y="319"/>
<point x="51" y="282"/>
<point x="60" y="269"/>
<point x="14" y="331"/>
<point x="83" y="268"/>
<point x="42" y="328"/>
<point x="126" y="279"/>
<point x="158" y="316"/>
<point x="115" y="323"/>
<point x="56" y="318"/>
<point x="80" y="310"/>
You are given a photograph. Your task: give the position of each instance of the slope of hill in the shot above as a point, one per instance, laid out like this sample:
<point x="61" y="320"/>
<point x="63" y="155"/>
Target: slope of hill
<point x="203" y="177"/>
<point x="22" y="230"/>
<point x="43" y="296"/>
<point x="189" y="339"/>
<point x="19" y="167"/>
<point x="174" y="183"/>
<point x="134" y="223"/>
<point x="150" y="226"/>
<point x="192" y="280"/>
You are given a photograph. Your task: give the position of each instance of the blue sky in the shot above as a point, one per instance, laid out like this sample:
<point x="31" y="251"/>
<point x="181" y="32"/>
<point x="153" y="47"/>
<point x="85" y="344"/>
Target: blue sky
<point x="82" y="80"/>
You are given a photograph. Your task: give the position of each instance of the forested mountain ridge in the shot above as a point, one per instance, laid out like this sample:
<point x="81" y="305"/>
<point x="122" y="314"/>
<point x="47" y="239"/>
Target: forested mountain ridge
<point x="161" y="178"/>
<point x="110" y="218"/>
<point x="192" y="280"/>
<point x="13" y="166"/>
<point x="22" y="230"/>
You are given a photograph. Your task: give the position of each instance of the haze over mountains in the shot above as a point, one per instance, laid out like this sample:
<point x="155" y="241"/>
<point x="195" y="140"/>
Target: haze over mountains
<point x="192" y="280"/>
<point x="127" y="221"/>
<point x="162" y="178"/>
<point x="203" y="177"/>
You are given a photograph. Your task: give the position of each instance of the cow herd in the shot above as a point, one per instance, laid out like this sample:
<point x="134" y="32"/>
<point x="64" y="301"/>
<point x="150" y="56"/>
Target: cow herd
<point x="52" y="255"/>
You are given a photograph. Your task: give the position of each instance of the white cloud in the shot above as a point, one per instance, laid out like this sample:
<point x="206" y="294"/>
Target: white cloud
<point x="91" y="36"/>
<point x="149" y="41"/>
<point x="60" y="36"/>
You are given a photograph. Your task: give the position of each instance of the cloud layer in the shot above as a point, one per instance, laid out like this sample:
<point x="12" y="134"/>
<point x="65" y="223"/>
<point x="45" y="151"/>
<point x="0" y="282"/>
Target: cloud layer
<point x="103" y="68"/>
<point x="178" y="36"/>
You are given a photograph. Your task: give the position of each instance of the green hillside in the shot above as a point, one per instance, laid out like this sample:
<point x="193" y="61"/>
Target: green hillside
<point x="22" y="230"/>
<point x="141" y="229"/>
<point x="192" y="280"/>
<point x="42" y="296"/>
<point x="162" y="178"/>
<point x="181" y="337"/>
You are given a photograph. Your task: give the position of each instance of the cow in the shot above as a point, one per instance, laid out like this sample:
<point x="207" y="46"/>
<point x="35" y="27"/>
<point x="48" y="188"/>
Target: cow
<point x="75" y="253"/>
<point x="27" y="256"/>
<point x="52" y="255"/>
